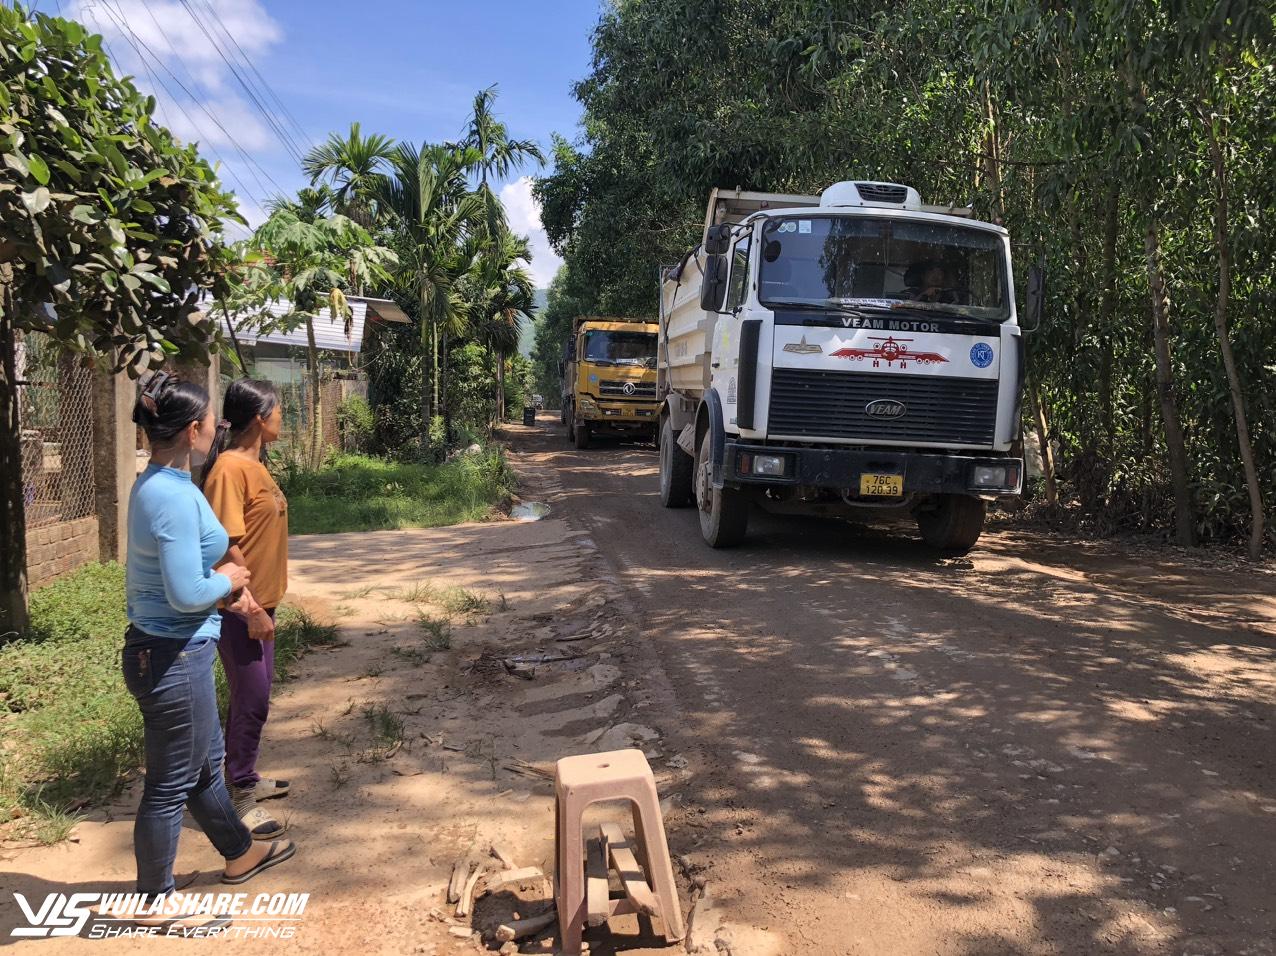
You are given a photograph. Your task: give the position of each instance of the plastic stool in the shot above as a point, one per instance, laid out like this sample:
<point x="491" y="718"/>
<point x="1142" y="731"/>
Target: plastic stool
<point x="585" y="780"/>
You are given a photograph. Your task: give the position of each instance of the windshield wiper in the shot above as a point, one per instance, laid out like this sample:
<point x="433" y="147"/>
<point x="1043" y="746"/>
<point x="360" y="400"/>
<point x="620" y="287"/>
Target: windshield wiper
<point x="854" y="311"/>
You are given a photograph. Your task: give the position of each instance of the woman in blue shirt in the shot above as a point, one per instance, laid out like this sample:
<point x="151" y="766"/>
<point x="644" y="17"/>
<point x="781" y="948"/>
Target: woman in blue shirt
<point x="177" y="574"/>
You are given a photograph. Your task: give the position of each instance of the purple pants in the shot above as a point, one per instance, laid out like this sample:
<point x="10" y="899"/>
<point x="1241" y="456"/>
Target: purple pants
<point x="250" y="670"/>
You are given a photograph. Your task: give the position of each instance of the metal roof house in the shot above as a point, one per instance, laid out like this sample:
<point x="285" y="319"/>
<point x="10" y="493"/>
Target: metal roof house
<point x="281" y="356"/>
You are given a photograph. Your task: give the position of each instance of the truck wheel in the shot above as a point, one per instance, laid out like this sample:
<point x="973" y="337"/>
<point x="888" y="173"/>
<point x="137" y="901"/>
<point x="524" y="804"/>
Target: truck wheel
<point x="724" y="512"/>
<point x="676" y="467"/>
<point x="580" y="434"/>
<point x="954" y="525"/>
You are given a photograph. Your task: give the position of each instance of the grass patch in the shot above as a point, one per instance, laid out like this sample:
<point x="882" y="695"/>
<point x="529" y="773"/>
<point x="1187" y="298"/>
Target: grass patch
<point x="360" y="493"/>
<point x="70" y="733"/>
<point x="437" y="632"/>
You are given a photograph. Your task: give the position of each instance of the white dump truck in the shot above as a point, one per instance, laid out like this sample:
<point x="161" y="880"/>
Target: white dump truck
<point x="855" y="354"/>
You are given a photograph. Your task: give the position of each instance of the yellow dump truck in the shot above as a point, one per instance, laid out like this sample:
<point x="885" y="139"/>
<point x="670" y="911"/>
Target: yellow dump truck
<point x="609" y="379"/>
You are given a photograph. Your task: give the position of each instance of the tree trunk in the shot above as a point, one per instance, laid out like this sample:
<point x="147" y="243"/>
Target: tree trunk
<point x="500" y="387"/>
<point x="1107" y="312"/>
<point x="1043" y="443"/>
<point x="13" y="528"/>
<point x="445" y="382"/>
<point x="1176" y="447"/>
<point x="316" y="404"/>
<point x="434" y="377"/>
<point x="1222" y="243"/>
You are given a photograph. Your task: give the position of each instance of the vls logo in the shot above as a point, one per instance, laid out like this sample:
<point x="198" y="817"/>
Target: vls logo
<point x="60" y="915"/>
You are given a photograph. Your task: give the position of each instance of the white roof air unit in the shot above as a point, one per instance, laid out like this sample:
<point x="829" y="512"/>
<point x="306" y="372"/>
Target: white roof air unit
<point x="870" y="194"/>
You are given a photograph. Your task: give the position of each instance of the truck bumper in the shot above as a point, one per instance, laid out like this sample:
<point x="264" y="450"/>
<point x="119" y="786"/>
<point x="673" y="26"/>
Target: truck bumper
<point x="604" y="417"/>
<point x="841" y="469"/>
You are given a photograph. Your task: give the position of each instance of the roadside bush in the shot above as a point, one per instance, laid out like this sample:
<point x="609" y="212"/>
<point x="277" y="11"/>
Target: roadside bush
<point x="359" y="493"/>
<point x="356" y="424"/>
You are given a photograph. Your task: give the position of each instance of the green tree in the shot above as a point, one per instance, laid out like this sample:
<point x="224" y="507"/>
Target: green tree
<point x="432" y="212"/>
<point x="352" y="167"/>
<point x="106" y="219"/>
<point x="1125" y="145"/>
<point x="309" y="265"/>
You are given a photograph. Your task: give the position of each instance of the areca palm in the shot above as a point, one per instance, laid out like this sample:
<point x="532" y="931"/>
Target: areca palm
<point x="352" y="166"/>
<point x="499" y="156"/>
<point x="503" y="294"/>
<point x="433" y="211"/>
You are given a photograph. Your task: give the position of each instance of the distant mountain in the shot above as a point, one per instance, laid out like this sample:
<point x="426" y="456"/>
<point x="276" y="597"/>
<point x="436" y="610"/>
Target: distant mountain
<point x="527" y="332"/>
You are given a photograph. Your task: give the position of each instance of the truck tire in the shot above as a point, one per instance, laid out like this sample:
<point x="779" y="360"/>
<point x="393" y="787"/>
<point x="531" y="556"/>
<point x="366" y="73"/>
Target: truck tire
<point x="954" y="525"/>
<point x="676" y="470"/>
<point x="724" y="512"/>
<point x="580" y="434"/>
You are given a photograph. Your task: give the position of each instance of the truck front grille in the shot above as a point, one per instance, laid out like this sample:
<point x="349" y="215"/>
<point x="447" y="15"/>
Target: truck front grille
<point x="819" y="404"/>
<point x="613" y="389"/>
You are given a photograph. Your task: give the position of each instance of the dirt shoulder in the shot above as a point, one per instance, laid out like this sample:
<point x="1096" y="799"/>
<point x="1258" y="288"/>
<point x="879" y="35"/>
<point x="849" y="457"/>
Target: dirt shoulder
<point x="410" y="744"/>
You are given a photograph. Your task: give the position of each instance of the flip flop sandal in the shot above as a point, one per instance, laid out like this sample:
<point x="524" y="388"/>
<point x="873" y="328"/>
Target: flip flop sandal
<point x="262" y="825"/>
<point x="268" y="789"/>
<point x="273" y="856"/>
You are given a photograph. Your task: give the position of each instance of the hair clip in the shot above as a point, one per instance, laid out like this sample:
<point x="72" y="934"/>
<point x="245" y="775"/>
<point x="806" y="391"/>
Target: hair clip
<point x="155" y="387"/>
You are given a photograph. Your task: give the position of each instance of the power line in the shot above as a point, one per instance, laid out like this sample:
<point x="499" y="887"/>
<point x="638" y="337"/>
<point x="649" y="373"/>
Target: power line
<point x="135" y="41"/>
<point x="280" y="132"/>
<point x="160" y="86"/>
<point x="270" y="91"/>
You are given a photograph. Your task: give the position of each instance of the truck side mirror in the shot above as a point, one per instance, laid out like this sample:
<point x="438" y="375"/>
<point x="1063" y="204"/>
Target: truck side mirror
<point x="571" y="351"/>
<point x="717" y="239"/>
<point x="1036" y="298"/>
<point x="714" y="284"/>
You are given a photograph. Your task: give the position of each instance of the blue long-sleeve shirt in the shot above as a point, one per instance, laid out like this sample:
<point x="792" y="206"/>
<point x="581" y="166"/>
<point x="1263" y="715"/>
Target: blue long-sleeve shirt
<point x="174" y="539"/>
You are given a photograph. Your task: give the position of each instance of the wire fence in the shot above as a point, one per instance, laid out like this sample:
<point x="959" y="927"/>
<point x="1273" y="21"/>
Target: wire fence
<point x="55" y="412"/>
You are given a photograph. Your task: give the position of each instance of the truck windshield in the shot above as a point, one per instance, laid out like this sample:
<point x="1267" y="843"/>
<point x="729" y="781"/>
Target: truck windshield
<point x="620" y="348"/>
<point x="895" y="264"/>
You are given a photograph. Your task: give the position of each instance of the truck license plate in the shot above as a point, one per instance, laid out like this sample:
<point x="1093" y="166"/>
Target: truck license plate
<point x="882" y="486"/>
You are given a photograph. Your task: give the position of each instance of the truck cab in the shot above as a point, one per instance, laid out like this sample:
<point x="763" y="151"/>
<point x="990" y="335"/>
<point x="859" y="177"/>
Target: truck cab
<point x="609" y="380"/>
<point x="856" y="354"/>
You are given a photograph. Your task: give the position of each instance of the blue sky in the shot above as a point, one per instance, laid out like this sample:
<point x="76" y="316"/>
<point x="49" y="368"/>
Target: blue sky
<point x="409" y="70"/>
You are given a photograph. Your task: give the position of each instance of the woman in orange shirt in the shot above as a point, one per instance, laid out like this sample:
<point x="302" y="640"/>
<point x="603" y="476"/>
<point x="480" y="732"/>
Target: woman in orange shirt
<point x="254" y="512"/>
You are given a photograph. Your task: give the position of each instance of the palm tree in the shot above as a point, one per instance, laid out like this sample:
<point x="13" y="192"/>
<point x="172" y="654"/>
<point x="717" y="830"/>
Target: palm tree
<point x="433" y="214"/>
<point x="308" y="264"/>
<point x="499" y="156"/>
<point x="308" y="205"/>
<point x="503" y="292"/>
<point x="353" y="167"/>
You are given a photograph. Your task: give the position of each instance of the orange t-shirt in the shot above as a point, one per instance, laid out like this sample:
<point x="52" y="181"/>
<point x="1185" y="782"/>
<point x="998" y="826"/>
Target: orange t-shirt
<point x="254" y="513"/>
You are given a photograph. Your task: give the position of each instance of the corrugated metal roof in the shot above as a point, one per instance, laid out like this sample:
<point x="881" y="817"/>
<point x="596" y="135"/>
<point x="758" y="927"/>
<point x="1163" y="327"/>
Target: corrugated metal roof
<point x="330" y="333"/>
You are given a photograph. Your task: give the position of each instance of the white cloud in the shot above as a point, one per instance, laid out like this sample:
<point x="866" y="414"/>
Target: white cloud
<point x="165" y="49"/>
<point x="524" y="215"/>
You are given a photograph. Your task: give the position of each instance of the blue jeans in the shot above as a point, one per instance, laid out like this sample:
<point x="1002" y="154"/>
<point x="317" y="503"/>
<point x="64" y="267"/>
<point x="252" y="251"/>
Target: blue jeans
<point x="172" y="681"/>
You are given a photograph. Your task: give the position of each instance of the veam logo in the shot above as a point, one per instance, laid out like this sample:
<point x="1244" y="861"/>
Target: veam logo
<point x="885" y="408"/>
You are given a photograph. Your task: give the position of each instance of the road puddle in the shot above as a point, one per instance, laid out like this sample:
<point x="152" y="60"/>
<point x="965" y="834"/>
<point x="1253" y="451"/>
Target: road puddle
<point x="529" y="511"/>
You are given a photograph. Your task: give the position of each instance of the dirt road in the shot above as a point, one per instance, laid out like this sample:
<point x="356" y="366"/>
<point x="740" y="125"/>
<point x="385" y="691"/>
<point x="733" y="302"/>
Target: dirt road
<point x="1049" y="747"/>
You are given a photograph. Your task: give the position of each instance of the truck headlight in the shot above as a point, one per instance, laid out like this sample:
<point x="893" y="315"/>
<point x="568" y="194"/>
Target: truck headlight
<point x="1001" y="477"/>
<point x="588" y="405"/>
<point x="767" y="466"/>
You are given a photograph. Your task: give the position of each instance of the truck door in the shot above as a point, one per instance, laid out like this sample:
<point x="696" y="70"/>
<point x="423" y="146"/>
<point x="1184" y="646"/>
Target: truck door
<point x="726" y="347"/>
